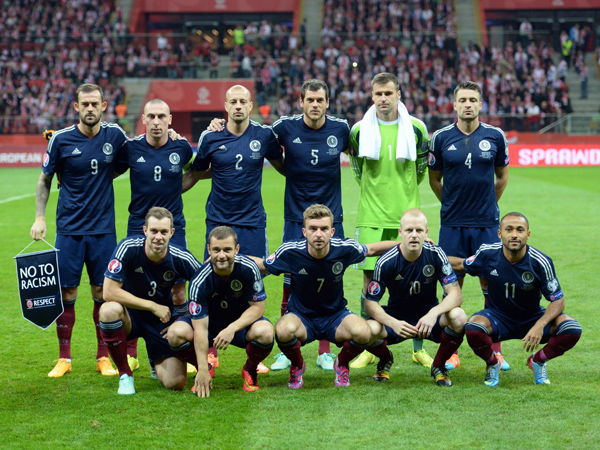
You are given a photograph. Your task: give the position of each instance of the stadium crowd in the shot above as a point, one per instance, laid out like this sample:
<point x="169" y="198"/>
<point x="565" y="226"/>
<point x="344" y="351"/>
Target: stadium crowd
<point x="46" y="49"/>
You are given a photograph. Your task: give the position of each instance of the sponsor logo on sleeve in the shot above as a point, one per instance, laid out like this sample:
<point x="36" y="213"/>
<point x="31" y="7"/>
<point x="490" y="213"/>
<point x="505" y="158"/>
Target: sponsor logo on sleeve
<point x="374" y="288"/>
<point x="431" y="159"/>
<point x="195" y="308"/>
<point x="270" y="259"/>
<point x="553" y="285"/>
<point x="470" y="260"/>
<point x="115" y="266"/>
<point x="446" y="269"/>
<point x="46" y="159"/>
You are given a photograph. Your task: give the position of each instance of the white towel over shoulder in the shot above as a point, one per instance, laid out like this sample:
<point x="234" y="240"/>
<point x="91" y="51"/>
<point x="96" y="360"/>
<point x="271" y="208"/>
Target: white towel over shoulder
<point x="369" y="141"/>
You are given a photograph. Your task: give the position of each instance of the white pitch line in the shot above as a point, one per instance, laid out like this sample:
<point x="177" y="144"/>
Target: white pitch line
<point x="18" y="197"/>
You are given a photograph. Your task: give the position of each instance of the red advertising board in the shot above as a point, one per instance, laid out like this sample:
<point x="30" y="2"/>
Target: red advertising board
<point x="22" y="150"/>
<point x="195" y="95"/>
<point x="219" y="6"/>
<point x="545" y="155"/>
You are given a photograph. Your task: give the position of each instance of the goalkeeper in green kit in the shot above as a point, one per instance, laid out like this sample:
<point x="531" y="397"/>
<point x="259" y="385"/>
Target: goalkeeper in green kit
<point x="388" y="160"/>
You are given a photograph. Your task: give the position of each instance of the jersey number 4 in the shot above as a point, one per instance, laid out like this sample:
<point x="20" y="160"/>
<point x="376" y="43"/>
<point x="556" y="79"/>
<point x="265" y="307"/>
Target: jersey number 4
<point x="468" y="162"/>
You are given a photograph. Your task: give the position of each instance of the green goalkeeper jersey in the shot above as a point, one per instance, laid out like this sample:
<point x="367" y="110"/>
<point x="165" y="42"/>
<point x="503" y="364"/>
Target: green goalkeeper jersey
<point x="388" y="187"/>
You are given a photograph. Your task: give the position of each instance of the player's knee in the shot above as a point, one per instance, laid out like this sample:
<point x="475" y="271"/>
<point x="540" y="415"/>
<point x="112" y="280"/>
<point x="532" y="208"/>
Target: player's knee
<point x="285" y="330"/>
<point x="361" y="332"/>
<point x="263" y="332"/>
<point x="457" y="318"/>
<point x="376" y="330"/>
<point x="179" y="333"/>
<point x="111" y="311"/>
<point x="175" y="383"/>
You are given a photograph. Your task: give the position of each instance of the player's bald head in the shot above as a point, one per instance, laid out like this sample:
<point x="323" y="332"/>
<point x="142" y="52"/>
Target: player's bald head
<point x="238" y="89"/>
<point x="413" y="213"/>
<point x="154" y="102"/>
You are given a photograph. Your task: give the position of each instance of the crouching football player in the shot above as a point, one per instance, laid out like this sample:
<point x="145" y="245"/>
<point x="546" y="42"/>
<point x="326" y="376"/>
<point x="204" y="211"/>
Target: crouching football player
<point x="518" y="276"/>
<point x="227" y="306"/>
<point x="410" y="271"/>
<point x="137" y="286"/>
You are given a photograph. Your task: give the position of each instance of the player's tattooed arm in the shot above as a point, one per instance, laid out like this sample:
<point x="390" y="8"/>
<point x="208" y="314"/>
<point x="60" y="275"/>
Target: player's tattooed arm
<point x="42" y="193"/>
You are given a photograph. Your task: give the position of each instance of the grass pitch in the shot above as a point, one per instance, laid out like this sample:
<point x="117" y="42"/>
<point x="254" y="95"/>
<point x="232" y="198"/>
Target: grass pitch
<point x="83" y="410"/>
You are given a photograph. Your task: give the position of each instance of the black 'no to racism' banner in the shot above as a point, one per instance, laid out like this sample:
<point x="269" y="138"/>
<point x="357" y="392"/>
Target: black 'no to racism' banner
<point x="39" y="287"/>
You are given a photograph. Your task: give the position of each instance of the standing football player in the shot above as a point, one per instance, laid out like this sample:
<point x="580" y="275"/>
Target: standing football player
<point x="468" y="172"/>
<point x="83" y="157"/>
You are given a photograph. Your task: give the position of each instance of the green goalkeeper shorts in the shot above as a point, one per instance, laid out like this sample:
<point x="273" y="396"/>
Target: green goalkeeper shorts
<point x="368" y="235"/>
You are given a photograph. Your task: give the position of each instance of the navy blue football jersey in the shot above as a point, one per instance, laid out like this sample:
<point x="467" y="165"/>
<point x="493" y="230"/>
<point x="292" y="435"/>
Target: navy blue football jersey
<point x="155" y="179"/>
<point x="312" y="164"/>
<point x="515" y="289"/>
<point x="412" y="285"/>
<point x="225" y="299"/>
<point x="146" y="279"/>
<point x="85" y="168"/>
<point x="468" y="163"/>
<point x="317" y="284"/>
<point x="236" y="164"/>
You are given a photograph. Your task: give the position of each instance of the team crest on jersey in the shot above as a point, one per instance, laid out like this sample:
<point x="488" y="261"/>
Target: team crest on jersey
<point x="332" y="141"/>
<point x="174" y="158"/>
<point x="553" y="285"/>
<point x="431" y="159"/>
<point x="107" y="148"/>
<point x="270" y="259"/>
<point x="258" y="286"/>
<point x="485" y="145"/>
<point x="527" y="277"/>
<point x="338" y="267"/>
<point x="195" y="308"/>
<point x="470" y="260"/>
<point x="46" y="159"/>
<point x="115" y="266"/>
<point x="428" y="270"/>
<point x="169" y="275"/>
<point x="446" y="269"/>
<point x="255" y="145"/>
<point x="374" y="288"/>
<point x="236" y="285"/>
